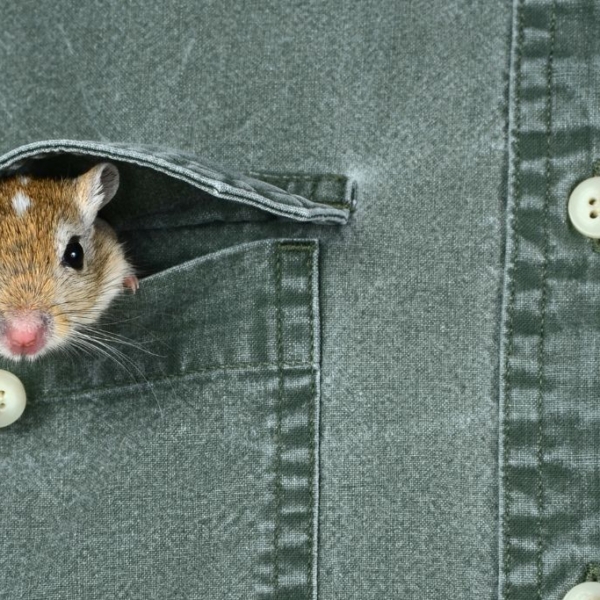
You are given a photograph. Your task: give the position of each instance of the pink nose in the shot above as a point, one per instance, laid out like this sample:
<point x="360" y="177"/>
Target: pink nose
<point x="25" y="333"/>
<point x="23" y="337"/>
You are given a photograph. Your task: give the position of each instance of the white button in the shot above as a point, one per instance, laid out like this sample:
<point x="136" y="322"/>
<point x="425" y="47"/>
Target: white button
<point x="12" y="398"/>
<point x="590" y="590"/>
<point x="584" y="207"/>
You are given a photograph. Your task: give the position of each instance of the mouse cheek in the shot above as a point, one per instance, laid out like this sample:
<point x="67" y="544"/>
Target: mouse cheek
<point x="60" y="328"/>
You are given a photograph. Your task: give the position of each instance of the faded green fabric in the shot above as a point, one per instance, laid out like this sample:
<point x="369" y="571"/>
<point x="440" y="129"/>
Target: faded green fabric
<point x="209" y="373"/>
<point x="121" y="489"/>
<point x="550" y="448"/>
<point x="362" y="360"/>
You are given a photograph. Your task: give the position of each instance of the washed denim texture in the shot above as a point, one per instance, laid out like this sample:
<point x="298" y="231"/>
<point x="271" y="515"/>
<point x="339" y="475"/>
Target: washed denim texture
<point x="365" y="337"/>
<point x="549" y="451"/>
<point x="218" y="388"/>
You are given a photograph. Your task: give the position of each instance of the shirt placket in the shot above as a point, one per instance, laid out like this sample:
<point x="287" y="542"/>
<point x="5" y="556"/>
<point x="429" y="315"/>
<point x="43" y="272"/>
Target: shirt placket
<point x="549" y="472"/>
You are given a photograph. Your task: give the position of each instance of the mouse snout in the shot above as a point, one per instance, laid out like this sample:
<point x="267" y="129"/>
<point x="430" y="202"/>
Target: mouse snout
<point x="25" y="332"/>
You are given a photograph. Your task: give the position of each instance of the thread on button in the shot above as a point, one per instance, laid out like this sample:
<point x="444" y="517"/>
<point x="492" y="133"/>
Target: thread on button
<point x="592" y="572"/>
<point x="592" y="201"/>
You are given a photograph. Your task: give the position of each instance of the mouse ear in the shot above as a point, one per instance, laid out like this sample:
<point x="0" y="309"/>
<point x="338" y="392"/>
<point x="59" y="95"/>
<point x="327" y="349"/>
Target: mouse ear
<point x="97" y="187"/>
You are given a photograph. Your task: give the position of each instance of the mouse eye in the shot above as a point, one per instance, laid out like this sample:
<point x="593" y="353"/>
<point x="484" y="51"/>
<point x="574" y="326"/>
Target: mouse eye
<point x="73" y="256"/>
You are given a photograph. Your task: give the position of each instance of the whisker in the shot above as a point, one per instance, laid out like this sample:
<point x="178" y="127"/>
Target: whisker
<point x="108" y="336"/>
<point x="90" y="343"/>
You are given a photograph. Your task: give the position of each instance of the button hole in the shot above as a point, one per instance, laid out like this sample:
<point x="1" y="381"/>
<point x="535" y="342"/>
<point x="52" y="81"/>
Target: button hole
<point x="594" y="214"/>
<point x="592" y="201"/>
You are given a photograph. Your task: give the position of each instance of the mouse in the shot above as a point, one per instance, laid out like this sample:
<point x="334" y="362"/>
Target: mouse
<point x="61" y="266"/>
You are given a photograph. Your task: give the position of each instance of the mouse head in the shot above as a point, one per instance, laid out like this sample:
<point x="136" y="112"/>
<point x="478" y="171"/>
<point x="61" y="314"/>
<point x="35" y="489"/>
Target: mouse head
<point x="60" y="266"/>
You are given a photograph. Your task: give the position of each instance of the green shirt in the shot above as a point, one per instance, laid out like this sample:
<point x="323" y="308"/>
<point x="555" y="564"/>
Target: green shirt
<point x="362" y="361"/>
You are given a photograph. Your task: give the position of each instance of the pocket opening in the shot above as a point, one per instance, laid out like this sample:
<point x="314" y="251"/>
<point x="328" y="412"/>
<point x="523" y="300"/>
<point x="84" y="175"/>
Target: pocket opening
<point x="148" y="167"/>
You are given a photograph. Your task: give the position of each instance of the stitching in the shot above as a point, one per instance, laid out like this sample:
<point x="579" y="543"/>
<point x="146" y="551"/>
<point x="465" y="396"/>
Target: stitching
<point x="292" y="176"/>
<point x="311" y="418"/>
<point x="190" y="372"/>
<point x="334" y="204"/>
<point x="287" y="178"/>
<point x="543" y="308"/>
<point x="296" y="247"/>
<point x="278" y="424"/>
<point x="512" y="292"/>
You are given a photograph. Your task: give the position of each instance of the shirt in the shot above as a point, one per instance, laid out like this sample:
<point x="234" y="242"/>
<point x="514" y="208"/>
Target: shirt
<point x="362" y="360"/>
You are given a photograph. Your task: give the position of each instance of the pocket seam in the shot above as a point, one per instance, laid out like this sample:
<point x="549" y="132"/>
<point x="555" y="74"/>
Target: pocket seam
<point x="285" y="405"/>
<point x="66" y="394"/>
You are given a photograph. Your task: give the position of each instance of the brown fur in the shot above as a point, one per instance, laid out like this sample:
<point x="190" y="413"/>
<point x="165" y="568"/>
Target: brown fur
<point x="31" y="248"/>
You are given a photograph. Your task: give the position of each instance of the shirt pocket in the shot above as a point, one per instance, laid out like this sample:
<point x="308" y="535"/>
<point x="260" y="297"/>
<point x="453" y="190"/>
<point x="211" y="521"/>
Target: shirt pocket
<point x="190" y="469"/>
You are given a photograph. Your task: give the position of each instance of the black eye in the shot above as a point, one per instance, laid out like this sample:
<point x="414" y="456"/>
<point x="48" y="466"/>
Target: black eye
<point x="73" y="256"/>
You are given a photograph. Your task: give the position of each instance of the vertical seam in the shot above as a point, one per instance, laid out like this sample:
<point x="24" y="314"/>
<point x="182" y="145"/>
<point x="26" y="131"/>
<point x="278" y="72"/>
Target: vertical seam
<point x="511" y="295"/>
<point x="311" y="416"/>
<point x="278" y="423"/>
<point x="543" y="308"/>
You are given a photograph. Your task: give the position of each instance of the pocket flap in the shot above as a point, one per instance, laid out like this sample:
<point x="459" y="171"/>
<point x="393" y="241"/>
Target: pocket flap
<point x="261" y="192"/>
